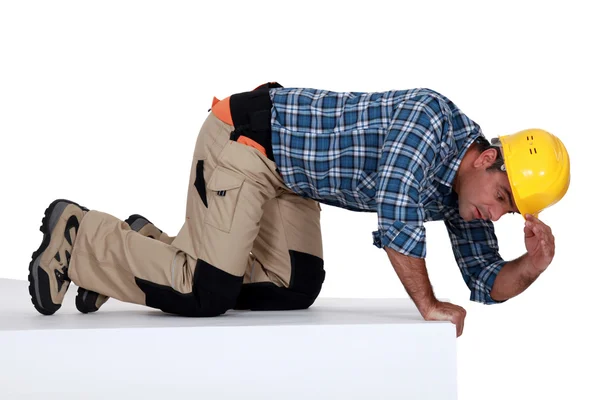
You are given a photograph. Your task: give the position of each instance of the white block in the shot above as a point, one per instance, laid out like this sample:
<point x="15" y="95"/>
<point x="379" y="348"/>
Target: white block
<point x="337" y="349"/>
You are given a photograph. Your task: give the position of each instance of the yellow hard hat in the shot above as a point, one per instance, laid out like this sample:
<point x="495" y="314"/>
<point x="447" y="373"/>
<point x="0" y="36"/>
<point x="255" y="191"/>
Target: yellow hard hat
<point x="538" y="168"/>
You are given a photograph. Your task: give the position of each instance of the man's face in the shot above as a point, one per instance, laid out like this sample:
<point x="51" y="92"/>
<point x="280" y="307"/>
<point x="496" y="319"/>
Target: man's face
<point x="484" y="194"/>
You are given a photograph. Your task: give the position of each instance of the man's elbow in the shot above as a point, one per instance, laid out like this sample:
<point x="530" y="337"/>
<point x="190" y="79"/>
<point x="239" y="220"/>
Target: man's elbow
<point x="487" y="297"/>
<point x="495" y="296"/>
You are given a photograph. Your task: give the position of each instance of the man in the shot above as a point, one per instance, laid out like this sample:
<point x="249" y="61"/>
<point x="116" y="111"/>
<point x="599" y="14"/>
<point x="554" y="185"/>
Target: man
<point x="263" y="162"/>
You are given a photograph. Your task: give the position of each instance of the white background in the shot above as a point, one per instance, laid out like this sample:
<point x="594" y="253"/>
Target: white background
<point x="101" y="103"/>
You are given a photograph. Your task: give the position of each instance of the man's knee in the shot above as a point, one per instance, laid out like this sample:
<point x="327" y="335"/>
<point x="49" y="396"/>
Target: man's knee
<point x="307" y="277"/>
<point x="215" y="290"/>
<point x="213" y="293"/>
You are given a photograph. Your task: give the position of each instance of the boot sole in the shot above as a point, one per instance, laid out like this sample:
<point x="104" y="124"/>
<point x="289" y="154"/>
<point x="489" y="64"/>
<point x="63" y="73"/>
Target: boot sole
<point x="84" y="295"/>
<point x="39" y="280"/>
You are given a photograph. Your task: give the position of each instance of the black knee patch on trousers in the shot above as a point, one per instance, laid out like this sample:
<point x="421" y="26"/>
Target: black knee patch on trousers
<point x="307" y="273"/>
<point x="213" y="293"/>
<point x="216" y="291"/>
<point x="167" y="299"/>
<point x="306" y="281"/>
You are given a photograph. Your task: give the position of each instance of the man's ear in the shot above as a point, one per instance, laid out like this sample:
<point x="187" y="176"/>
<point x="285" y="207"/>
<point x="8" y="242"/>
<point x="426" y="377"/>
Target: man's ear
<point x="486" y="158"/>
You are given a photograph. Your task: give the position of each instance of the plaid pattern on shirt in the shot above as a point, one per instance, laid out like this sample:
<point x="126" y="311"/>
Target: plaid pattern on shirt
<point x="395" y="153"/>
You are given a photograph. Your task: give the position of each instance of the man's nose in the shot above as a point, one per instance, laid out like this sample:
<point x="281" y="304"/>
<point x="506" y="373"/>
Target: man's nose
<point x="496" y="212"/>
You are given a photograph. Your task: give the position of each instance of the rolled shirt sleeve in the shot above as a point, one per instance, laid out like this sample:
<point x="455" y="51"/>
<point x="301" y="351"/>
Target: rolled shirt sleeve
<point x="476" y="251"/>
<point x="408" y="153"/>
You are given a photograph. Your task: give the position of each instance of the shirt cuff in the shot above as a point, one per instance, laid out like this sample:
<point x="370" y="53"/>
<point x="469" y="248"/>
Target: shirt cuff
<point x="482" y="288"/>
<point x="406" y="239"/>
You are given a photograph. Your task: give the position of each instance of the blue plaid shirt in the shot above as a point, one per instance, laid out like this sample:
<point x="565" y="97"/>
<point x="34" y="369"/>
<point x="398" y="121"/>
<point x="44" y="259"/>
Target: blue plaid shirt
<point x="395" y="153"/>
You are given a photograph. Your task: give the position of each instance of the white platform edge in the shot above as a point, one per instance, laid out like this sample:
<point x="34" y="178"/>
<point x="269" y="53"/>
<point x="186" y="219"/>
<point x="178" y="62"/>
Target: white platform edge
<point x="341" y="348"/>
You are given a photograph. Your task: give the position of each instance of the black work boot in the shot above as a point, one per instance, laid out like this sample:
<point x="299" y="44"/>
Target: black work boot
<point x="48" y="270"/>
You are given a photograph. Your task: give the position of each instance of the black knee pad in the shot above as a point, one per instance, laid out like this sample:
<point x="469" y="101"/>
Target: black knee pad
<point x="308" y="273"/>
<point x="306" y="281"/>
<point x="216" y="291"/>
<point x="213" y="293"/>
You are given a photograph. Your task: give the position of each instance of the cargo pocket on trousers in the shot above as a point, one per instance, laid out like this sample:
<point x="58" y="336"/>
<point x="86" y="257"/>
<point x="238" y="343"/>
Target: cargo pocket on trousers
<point x="224" y="190"/>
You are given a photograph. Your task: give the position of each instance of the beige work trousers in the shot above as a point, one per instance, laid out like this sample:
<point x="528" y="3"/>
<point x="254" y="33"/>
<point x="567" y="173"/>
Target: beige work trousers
<point x="240" y="218"/>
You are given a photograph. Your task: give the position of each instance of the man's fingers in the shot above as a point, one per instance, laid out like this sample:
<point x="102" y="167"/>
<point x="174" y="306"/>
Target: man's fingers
<point x="530" y="217"/>
<point x="459" y="322"/>
<point x="535" y="222"/>
<point x="538" y="229"/>
<point x="548" y="249"/>
<point x="528" y="231"/>
<point x="449" y="312"/>
<point x="547" y="237"/>
<point x="458" y="319"/>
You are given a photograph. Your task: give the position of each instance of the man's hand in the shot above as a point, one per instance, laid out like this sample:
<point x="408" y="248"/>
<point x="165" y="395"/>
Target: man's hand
<point x="442" y="311"/>
<point x="539" y="243"/>
<point x="517" y="275"/>
<point x="413" y="275"/>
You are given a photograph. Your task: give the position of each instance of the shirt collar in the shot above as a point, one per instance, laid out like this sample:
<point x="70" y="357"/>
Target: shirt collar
<point x="447" y="173"/>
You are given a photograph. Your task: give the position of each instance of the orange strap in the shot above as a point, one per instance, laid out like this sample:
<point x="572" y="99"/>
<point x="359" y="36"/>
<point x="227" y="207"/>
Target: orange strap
<point x="249" y="142"/>
<point x="222" y="110"/>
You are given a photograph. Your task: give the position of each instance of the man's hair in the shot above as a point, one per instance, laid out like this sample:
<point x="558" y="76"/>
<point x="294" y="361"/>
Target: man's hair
<point x="482" y="144"/>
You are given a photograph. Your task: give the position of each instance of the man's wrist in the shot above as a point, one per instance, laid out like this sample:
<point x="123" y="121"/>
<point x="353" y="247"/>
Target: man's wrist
<point x="529" y="269"/>
<point x="425" y="304"/>
<point x="527" y="273"/>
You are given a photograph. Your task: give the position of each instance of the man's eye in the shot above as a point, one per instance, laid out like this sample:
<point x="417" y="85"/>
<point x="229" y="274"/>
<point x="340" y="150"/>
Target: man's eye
<point x="500" y="197"/>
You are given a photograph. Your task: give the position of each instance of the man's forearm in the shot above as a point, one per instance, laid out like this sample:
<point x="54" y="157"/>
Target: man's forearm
<point x="514" y="277"/>
<point x="413" y="275"/>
